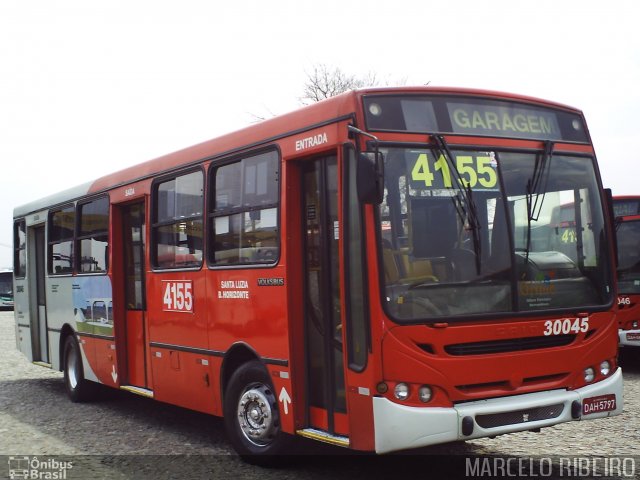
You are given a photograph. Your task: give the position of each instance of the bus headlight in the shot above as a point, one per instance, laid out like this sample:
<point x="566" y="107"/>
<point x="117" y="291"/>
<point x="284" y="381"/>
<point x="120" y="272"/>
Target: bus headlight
<point x="425" y="393"/>
<point x="401" y="392"/>
<point x="635" y="324"/>
<point x="605" y="368"/>
<point x="589" y="375"/>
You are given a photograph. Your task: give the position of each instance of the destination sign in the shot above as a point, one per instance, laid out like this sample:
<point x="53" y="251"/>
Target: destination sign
<point x="501" y="121"/>
<point x="472" y="116"/>
<point x="623" y="208"/>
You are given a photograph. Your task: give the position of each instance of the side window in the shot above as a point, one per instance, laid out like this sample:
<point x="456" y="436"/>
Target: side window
<point x="60" y="252"/>
<point x="177" y="222"/>
<point x="244" y="211"/>
<point x="93" y="236"/>
<point x="19" y="249"/>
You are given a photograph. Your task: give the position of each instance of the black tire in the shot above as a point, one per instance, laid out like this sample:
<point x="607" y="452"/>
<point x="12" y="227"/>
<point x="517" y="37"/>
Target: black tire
<point x="252" y="417"/>
<point x="78" y="388"/>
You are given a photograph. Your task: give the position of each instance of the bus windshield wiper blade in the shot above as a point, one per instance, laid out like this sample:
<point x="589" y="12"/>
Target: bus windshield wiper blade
<point x="468" y="213"/>
<point x="538" y="182"/>
<point x="537" y="185"/>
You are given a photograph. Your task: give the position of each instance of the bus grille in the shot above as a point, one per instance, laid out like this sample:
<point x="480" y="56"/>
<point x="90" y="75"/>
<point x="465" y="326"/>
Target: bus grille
<point x="520" y="416"/>
<point x="509" y="345"/>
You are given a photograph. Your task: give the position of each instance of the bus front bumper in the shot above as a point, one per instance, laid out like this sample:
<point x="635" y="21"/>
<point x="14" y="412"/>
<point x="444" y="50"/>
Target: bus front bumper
<point x="629" y="338"/>
<point x="399" y="427"/>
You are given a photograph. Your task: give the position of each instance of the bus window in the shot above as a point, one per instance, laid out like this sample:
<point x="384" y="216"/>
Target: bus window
<point x="177" y="225"/>
<point x="61" y="227"/>
<point x="93" y="236"/>
<point x="244" y="211"/>
<point x="20" y="252"/>
<point x="629" y="257"/>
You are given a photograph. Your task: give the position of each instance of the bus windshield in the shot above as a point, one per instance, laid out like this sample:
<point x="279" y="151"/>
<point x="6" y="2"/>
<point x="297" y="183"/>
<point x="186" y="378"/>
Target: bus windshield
<point x="486" y="232"/>
<point x="629" y="257"/>
<point x="6" y="289"/>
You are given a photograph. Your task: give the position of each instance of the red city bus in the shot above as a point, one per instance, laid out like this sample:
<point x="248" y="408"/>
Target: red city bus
<point x="377" y="271"/>
<point x="627" y="211"/>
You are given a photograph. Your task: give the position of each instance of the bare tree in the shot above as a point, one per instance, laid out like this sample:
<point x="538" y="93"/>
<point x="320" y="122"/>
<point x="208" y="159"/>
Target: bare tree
<point x="325" y="82"/>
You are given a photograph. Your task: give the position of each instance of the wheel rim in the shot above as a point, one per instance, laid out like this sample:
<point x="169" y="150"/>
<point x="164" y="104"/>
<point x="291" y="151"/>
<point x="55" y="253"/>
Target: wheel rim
<point x="72" y="368"/>
<point x="256" y="417"/>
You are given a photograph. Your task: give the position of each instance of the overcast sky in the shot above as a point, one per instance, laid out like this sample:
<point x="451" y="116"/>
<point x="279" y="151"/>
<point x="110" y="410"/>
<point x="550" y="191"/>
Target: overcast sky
<point x="89" y="87"/>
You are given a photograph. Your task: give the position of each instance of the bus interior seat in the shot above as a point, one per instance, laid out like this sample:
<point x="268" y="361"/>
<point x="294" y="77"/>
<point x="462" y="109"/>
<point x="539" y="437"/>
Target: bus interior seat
<point x="399" y="265"/>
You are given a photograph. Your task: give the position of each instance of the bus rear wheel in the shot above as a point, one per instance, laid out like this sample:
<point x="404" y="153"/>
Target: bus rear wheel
<point x="78" y="388"/>
<point x="251" y="416"/>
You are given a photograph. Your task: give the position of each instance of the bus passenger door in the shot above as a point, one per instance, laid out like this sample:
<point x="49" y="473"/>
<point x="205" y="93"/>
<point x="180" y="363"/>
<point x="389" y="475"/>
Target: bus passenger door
<point x="39" y="333"/>
<point x="133" y="228"/>
<point x="324" y="358"/>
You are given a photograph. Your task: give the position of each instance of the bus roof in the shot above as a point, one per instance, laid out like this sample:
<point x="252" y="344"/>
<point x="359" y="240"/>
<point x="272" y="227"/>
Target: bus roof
<point x="54" y="199"/>
<point x="340" y="107"/>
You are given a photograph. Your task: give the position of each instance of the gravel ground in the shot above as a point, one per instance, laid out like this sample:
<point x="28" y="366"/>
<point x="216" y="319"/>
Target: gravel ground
<point x="126" y="436"/>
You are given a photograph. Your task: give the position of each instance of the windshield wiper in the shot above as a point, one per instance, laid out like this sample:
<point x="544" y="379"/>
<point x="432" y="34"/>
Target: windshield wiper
<point x="468" y="215"/>
<point x="537" y="185"/>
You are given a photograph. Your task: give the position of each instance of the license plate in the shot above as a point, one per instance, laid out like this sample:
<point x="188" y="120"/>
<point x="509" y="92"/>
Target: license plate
<point x="601" y="403"/>
<point x="633" y="337"/>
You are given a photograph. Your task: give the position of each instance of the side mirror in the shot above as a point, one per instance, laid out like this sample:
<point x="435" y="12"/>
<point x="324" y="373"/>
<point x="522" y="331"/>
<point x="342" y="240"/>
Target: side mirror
<point x="370" y="177"/>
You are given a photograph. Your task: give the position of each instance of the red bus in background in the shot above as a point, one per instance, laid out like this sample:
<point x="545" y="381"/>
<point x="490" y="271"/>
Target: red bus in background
<point x="627" y="212"/>
<point x="382" y="270"/>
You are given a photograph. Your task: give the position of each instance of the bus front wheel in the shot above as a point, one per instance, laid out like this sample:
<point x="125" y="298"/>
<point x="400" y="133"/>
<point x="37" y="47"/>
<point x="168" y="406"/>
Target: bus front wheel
<point x="251" y="416"/>
<point x="78" y="388"/>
